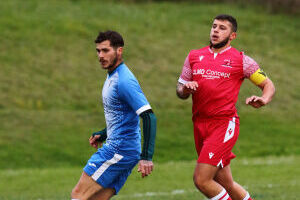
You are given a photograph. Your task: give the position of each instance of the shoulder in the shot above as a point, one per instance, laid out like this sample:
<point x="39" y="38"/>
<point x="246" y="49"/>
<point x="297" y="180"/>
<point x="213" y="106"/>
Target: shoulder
<point x="236" y="52"/>
<point x="194" y="53"/>
<point x="125" y="73"/>
<point x="126" y="76"/>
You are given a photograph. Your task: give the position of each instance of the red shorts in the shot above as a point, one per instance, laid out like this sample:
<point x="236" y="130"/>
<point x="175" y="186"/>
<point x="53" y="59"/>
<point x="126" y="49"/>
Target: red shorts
<point x="214" y="140"/>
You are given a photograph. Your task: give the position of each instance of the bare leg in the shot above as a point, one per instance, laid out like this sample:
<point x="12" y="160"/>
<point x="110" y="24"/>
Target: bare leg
<point x="224" y="178"/>
<point x="105" y="194"/>
<point x="204" y="179"/>
<point x="88" y="189"/>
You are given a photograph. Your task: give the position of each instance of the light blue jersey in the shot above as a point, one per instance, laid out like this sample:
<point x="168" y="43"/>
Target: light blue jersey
<point x="123" y="101"/>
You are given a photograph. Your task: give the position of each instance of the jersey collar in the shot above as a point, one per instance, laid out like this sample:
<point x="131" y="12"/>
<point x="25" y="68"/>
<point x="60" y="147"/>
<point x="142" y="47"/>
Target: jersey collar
<point x="224" y="50"/>
<point x="111" y="73"/>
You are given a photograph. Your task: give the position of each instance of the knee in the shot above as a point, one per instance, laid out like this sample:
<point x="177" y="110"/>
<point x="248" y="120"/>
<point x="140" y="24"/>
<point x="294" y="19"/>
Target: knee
<point x="76" y="193"/>
<point x="200" y="182"/>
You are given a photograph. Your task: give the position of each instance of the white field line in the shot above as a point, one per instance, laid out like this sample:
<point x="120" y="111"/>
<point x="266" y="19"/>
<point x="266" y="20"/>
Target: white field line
<point x="156" y="194"/>
<point x="267" y="161"/>
<point x="251" y="161"/>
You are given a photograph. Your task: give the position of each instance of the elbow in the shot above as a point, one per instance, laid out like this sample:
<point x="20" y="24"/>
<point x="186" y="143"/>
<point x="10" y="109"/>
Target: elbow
<point x="182" y="96"/>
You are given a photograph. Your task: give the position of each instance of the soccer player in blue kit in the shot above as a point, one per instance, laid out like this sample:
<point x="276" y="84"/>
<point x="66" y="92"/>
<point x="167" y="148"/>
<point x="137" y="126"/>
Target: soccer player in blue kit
<point x="124" y="102"/>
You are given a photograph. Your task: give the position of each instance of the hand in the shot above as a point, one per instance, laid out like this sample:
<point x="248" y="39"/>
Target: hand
<point x="190" y="87"/>
<point x="93" y="141"/>
<point x="256" y="101"/>
<point x="145" y="167"/>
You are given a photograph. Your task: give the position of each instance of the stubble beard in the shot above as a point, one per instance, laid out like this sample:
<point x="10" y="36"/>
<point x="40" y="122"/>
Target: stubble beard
<point x="114" y="62"/>
<point x="220" y="44"/>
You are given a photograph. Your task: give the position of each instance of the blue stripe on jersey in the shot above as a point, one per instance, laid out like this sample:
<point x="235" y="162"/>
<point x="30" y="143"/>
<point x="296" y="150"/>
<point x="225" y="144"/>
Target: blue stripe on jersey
<point x="122" y="97"/>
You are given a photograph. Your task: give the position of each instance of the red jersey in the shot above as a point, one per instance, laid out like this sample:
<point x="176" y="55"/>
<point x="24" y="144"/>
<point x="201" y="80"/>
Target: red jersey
<point x="219" y="76"/>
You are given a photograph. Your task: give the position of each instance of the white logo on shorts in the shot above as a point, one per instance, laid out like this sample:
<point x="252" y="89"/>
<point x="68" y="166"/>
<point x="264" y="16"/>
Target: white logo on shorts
<point x="230" y="130"/>
<point x="92" y="164"/>
<point x="211" y="154"/>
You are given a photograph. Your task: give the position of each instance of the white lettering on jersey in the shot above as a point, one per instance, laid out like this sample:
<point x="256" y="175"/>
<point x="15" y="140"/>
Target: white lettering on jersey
<point x="210" y="74"/>
<point x="211" y="154"/>
<point x="230" y="130"/>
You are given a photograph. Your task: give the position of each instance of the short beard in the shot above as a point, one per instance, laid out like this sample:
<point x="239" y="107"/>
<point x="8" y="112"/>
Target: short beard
<point x="114" y="61"/>
<point x="220" y="44"/>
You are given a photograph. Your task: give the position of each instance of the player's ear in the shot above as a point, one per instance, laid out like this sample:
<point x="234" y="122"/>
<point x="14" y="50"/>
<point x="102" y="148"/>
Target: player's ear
<point x="120" y="50"/>
<point x="232" y="35"/>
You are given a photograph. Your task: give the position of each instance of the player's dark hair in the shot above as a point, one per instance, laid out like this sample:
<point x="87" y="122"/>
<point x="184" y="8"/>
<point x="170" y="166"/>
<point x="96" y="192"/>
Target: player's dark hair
<point x="114" y="37"/>
<point x="229" y="18"/>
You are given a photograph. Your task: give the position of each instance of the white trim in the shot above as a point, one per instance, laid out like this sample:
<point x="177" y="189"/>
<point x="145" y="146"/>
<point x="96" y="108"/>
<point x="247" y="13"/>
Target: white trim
<point x="180" y="80"/>
<point x="142" y="109"/>
<point x="225" y="49"/>
<point x="231" y="127"/>
<point x="247" y="196"/>
<point x="220" y="163"/>
<point x="226" y="197"/>
<point x="215" y="55"/>
<point x="219" y="195"/>
<point x="104" y="166"/>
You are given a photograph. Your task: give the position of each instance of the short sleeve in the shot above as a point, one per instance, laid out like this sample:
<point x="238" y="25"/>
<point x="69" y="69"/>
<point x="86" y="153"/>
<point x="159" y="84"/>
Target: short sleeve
<point x="131" y="92"/>
<point x="249" y="66"/>
<point x="186" y="74"/>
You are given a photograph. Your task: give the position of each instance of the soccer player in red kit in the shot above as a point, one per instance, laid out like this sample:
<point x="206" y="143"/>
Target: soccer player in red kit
<point x="213" y="75"/>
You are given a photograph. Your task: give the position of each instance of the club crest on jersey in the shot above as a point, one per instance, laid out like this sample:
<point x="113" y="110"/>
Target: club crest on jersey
<point x="201" y="58"/>
<point x="227" y="63"/>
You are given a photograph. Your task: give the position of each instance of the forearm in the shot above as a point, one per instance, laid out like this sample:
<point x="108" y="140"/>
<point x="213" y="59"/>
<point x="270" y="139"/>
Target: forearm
<point x="149" y="132"/>
<point x="268" y="91"/>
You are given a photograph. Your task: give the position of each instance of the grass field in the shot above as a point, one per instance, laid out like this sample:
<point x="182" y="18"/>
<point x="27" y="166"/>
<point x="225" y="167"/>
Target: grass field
<point x="50" y="102"/>
<point x="265" y="178"/>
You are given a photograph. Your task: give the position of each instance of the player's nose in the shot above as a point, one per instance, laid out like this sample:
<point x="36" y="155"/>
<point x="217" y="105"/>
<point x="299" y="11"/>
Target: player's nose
<point x="101" y="55"/>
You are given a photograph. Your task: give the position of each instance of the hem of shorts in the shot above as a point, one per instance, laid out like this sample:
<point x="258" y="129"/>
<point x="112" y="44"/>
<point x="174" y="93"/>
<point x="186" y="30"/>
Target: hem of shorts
<point x="216" y="165"/>
<point x="116" y="191"/>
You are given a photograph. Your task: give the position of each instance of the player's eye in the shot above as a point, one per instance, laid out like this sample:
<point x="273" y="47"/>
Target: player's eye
<point x="222" y="27"/>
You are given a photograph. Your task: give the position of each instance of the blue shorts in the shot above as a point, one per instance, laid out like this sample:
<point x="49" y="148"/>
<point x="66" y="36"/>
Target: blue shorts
<point x="110" y="169"/>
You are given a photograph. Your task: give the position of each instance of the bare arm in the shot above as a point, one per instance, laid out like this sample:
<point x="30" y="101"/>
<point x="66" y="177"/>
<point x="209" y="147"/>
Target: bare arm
<point x="268" y="91"/>
<point x="184" y="90"/>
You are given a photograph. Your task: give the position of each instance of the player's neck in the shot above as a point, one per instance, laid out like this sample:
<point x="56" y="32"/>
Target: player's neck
<point x="218" y="50"/>
<point x="110" y="70"/>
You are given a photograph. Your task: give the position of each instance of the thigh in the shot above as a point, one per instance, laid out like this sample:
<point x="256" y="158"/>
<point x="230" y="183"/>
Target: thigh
<point x="109" y="169"/>
<point x="199" y="135"/>
<point x="86" y="187"/>
<point x="217" y="146"/>
<point x="103" y="194"/>
<point x="204" y="172"/>
<point x="224" y="176"/>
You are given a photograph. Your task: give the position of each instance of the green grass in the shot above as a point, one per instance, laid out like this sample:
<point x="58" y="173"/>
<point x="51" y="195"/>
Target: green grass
<point x="265" y="178"/>
<point x="51" y="81"/>
<point x="50" y="95"/>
